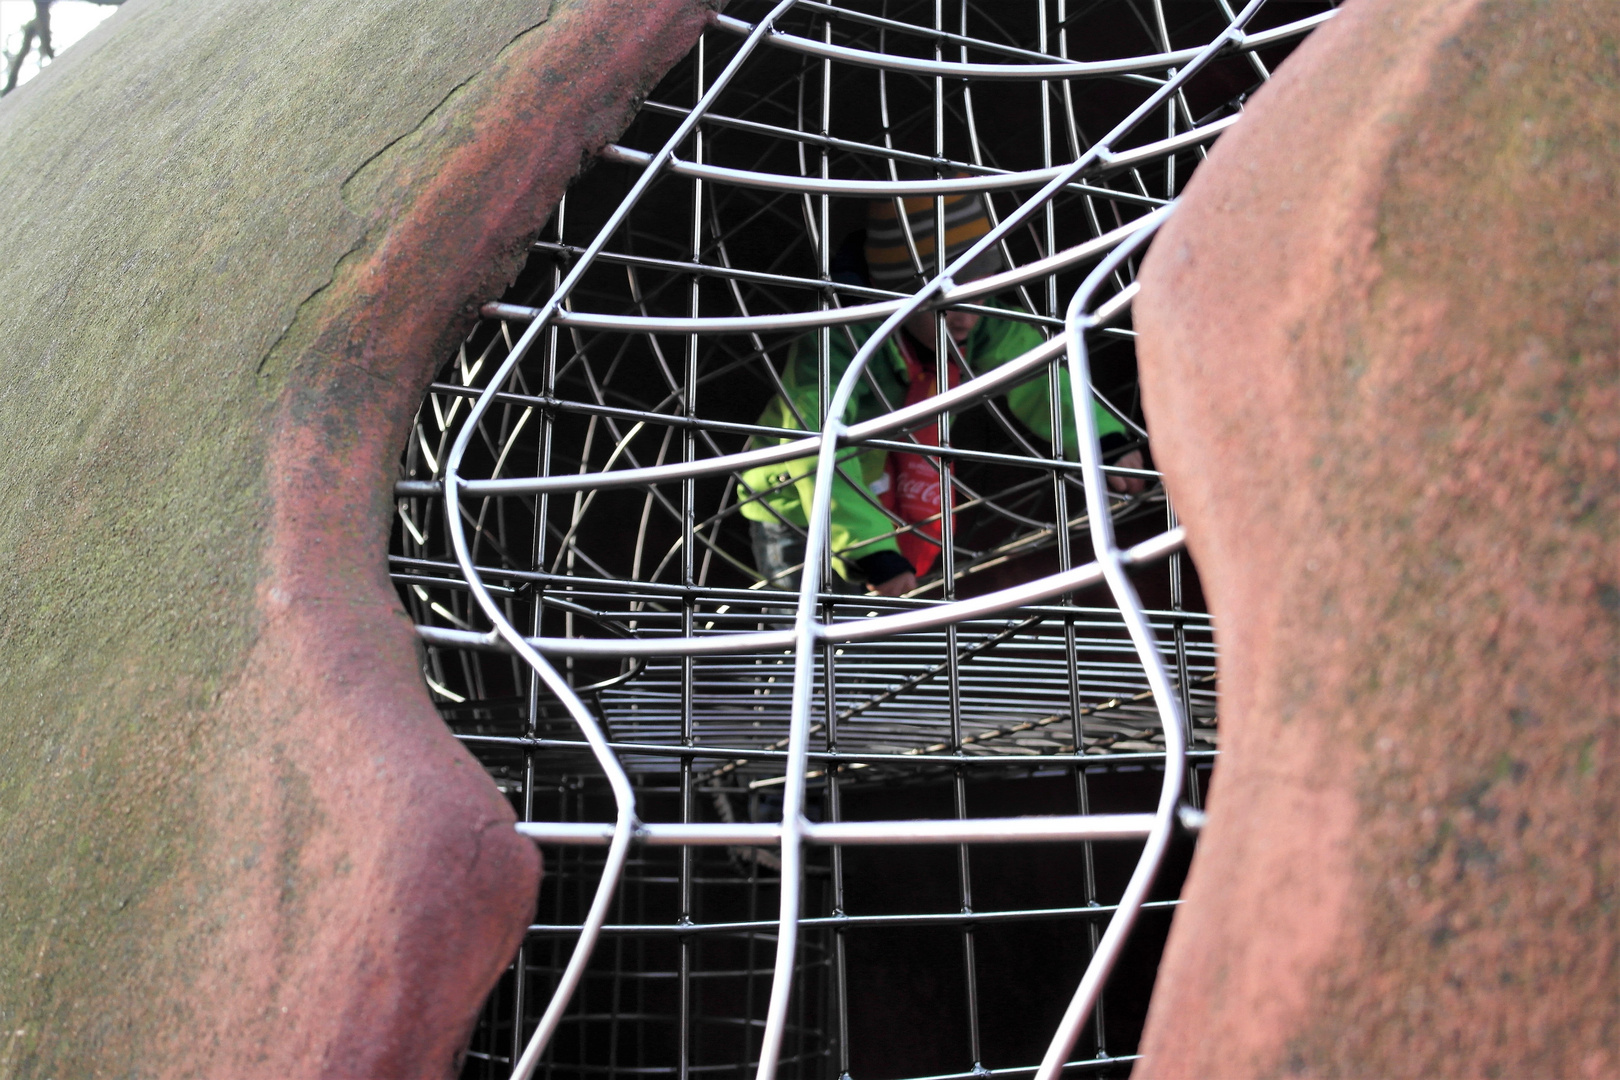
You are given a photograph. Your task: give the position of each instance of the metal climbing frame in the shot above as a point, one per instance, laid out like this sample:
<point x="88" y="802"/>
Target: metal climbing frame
<point x="707" y="760"/>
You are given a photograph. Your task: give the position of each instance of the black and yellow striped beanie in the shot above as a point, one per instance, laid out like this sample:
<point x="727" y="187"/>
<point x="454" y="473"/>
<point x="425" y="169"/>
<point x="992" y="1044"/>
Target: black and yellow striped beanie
<point x="888" y="260"/>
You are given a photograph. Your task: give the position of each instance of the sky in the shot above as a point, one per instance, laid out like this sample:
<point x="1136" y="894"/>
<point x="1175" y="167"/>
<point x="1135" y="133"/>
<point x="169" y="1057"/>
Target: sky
<point x="70" y="21"/>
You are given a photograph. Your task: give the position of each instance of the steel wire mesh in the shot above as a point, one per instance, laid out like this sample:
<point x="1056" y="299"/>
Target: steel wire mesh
<point x="681" y="736"/>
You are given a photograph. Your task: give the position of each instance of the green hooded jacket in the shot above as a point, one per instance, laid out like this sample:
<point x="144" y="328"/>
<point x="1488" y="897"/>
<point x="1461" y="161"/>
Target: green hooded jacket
<point x="859" y="525"/>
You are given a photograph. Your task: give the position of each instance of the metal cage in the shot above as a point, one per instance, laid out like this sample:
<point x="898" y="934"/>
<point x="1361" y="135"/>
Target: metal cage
<point x="969" y="788"/>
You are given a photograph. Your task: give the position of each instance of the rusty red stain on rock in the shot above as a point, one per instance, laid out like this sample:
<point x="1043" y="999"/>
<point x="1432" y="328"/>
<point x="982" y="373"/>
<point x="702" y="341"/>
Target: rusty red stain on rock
<point x="1380" y="342"/>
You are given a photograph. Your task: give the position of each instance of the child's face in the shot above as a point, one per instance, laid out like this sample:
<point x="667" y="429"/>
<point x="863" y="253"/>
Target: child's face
<point x="958" y="324"/>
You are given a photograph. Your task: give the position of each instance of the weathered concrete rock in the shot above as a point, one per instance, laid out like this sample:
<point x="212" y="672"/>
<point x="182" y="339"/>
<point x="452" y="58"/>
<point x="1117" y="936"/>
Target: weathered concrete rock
<point x="237" y="239"/>
<point x="1380" y="346"/>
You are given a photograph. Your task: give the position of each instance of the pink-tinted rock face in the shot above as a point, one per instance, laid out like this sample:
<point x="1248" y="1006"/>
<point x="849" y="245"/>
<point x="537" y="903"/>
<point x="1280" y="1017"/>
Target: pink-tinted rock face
<point x="1379" y="357"/>
<point x="239" y="841"/>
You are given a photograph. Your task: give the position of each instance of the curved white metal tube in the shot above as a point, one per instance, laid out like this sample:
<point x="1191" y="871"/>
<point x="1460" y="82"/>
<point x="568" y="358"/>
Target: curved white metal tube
<point x="887" y="189"/>
<point x="819" y="528"/>
<point x="1165" y="699"/>
<point x="918" y="620"/>
<point x="807" y="320"/>
<point x="1032" y="829"/>
<point x="1168" y="704"/>
<point x="1067" y="70"/>
<point x="623" y="794"/>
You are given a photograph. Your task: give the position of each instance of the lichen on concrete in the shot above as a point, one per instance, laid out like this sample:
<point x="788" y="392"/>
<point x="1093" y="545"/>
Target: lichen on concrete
<point x="238" y="839"/>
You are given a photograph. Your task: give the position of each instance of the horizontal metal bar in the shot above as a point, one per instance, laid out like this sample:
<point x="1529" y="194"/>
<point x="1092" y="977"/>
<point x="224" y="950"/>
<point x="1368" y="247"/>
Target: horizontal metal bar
<point x="982" y="830"/>
<point x="682" y="266"/>
<point x="654" y="835"/>
<point x="929" y="33"/>
<point x="763" y="754"/>
<point x="1085" y="1064"/>
<point x="446" y="583"/>
<point x="717" y="644"/>
<point x="838" y="833"/>
<point x="855" y="922"/>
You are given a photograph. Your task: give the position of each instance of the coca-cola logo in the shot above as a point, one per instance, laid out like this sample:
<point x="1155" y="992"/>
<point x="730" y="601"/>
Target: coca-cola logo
<point x="917" y="485"/>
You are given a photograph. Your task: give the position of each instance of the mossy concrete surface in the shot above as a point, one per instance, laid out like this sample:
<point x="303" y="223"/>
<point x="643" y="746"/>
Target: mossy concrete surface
<point x="237" y="238"/>
<point x="1380" y="348"/>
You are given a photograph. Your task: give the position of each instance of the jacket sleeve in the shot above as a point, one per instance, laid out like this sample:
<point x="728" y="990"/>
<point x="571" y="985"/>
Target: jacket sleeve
<point x="1030" y="400"/>
<point x="856" y="518"/>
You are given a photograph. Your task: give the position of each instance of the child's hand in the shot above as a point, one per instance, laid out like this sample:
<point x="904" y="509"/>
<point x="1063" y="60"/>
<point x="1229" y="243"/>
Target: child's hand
<point x="1129" y="485"/>
<point x="898" y="585"/>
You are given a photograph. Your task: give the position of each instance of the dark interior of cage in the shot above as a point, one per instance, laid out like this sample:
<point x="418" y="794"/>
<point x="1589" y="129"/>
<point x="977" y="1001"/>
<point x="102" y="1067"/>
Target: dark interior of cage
<point x="913" y="961"/>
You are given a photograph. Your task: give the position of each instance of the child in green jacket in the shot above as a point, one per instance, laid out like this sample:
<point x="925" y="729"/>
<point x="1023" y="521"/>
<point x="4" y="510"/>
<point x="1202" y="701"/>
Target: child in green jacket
<point x="867" y="544"/>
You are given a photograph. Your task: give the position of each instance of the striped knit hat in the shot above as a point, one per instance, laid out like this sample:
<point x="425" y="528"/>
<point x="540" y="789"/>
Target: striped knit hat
<point x="888" y="261"/>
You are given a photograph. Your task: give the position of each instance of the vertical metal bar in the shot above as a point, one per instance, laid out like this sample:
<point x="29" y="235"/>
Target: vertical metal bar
<point x="616" y="997"/>
<point x="943" y="345"/>
<point x="1170" y="105"/>
<point x="623" y="792"/>
<point x="544" y="435"/>
<point x="840" y="988"/>
<point x="689" y="601"/>
<point x="1143" y="641"/>
<point x="1071" y="653"/>
<point x="750" y="954"/>
<point x="1179" y="636"/>
<point x="833" y="809"/>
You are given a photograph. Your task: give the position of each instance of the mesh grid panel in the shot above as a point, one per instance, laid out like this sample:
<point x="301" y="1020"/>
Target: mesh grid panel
<point x="971" y="787"/>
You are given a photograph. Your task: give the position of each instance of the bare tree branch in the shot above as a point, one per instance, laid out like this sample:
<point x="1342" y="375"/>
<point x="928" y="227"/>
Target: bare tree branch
<point x="36" y="32"/>
<point x="42" y="24"/>
<point x="14" y="61"/>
